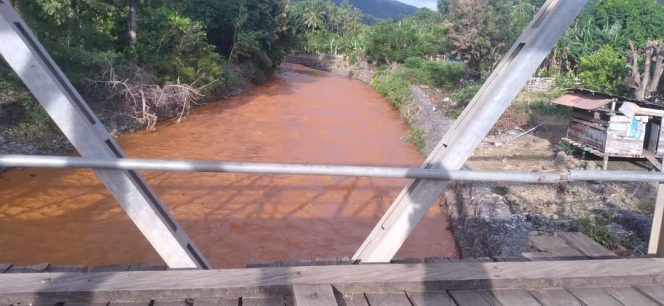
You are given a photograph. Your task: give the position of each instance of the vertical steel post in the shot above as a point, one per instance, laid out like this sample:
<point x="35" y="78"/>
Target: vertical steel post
<point x="656" y="243"/>
<point x="21" y="49"/>
<point x="458" y="144"/>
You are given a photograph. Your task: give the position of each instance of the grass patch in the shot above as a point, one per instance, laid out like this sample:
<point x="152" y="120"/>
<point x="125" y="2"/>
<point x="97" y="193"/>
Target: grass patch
<point x="568" y="148"/>
<point x="393" y="87"/>
<point x="418" y="138"/>
<point x="596" y="228"/>
<point x="433" y="73"/>
<point x="500" y="190"/>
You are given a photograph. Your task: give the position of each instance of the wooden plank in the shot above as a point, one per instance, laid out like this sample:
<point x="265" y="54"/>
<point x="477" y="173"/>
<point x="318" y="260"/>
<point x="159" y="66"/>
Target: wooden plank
<point x="555" y="246"/>
<point x="594" y="297"/>
<point x="655" y="292"/>
<point x="182" y="302"/>
<point x="555" y="297"/>
<point x="586" y="246"/>
<point x="436" y="260"/>
<point x="217" y="302"/>
<point x="387" y="299"/>
<point x="4" y="267"/>
<point x="146" y="267"/>
<point x="471" y="298"/>
<point x="315" y="295"/>
<point x="515" y="297"/>
<point x="111" y="268"/>
<point x="478" y="259"/>
<point x="650" y="156"/>
<point x="538" y="256"/>
<point x="28" y="269"/>
<point x="510" y="259"/>
<point x="264" y="301"/>
<point x="630" y="296"/>
<point x="348" y="278"/>
<point x="407" y="260"/>
<point x="66" y="268"/>
<point x="356" y="299"/>
<point x="427" y="298"/>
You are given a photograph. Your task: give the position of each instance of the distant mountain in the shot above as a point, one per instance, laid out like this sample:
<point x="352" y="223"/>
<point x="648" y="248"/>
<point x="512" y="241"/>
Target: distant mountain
<point x="377" y="10"/>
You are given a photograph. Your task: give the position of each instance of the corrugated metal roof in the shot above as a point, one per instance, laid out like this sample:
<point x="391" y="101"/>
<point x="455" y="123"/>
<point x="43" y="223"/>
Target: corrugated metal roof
<point x="583" y="100"/>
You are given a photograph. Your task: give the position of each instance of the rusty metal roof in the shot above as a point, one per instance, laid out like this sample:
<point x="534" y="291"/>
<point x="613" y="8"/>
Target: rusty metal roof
<point x="591" y="100"/>
<point x="587" y="101"/>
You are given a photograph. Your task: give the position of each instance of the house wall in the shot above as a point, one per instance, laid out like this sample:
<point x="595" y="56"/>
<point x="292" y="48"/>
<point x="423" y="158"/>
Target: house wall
<point x="624" y="136"/>
<point x="660" y="144"/>
<point x="588" y="129"/>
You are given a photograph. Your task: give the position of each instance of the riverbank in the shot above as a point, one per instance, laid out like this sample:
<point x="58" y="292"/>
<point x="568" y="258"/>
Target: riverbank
<point x="494" y="219"/>
<point x="24" y="137"/>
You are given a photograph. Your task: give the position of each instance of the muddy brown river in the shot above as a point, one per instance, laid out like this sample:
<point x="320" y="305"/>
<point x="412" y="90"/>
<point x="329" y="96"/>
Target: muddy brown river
<point x="300" y="116"/>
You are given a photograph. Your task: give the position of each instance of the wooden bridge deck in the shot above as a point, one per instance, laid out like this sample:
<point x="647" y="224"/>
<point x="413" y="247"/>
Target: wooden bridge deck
<point x="578" y="282"/>
<point x="544" y="276"/>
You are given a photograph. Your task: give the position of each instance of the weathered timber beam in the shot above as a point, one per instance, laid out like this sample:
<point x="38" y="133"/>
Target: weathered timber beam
<point x="165" y="285"/>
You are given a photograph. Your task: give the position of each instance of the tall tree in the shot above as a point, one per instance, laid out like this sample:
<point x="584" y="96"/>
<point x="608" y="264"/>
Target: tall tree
<point x="645" y="82"/>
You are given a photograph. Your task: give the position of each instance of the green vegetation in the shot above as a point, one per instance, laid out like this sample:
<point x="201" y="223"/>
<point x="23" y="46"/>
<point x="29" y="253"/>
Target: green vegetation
<point x="205" y="46"/>
<point x="598" y="231"/>
<point x="417" y="137"/>
<point x="500" y="190"/>
<point x="604" y="71"/>
<point x="181" y="47"/>
<point x="393" y="87"/>
<point x="600" y="40"/>
<point x="568" y="148"/>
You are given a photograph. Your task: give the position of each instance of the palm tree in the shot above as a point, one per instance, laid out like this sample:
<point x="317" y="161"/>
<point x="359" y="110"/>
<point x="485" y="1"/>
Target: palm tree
<point x="335" y="19"/>
<point x="312" y="18"/>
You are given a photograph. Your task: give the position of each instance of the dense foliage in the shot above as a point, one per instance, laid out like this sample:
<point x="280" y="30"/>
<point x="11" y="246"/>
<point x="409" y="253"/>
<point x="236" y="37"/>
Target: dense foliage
<point x="324" y="27"/>
<point x="607" y="25"/>
<point x="594" y="53"/>
<point x="209" y="44"/>
<point x="185" y="42"/>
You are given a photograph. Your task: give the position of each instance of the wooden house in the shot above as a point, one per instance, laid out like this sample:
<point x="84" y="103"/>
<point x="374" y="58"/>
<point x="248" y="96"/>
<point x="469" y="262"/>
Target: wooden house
<point x="613" y="126"/>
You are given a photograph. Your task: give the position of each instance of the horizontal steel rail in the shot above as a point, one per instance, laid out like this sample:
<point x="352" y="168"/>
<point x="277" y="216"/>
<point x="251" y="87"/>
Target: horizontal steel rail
<point x="327" y="170"/>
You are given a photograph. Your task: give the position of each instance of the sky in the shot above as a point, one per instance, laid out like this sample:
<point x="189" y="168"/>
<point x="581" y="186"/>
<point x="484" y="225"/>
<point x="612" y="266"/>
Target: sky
<point x="431" y="4"/>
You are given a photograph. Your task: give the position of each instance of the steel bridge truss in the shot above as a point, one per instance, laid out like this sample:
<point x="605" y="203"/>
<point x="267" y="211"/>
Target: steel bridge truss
<point x="25" y="54"/>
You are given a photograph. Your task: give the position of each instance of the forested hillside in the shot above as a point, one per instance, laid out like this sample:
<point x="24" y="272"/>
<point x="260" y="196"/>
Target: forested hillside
<point x="605" y="50"/>
<point x="115" y="51"/>
<point x="378" y="10"/>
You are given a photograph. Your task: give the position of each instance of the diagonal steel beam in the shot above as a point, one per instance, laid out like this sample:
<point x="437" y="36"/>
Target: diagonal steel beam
<point x="21" y="49"/>
<point x="458" y="144"/>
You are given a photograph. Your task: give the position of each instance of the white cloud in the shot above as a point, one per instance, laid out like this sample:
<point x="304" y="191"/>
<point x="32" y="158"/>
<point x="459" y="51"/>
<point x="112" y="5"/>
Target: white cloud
<point x="431" y="4"/>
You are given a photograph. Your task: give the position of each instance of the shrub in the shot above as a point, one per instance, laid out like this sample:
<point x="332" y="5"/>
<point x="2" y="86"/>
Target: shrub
<point x="604" y="70"/>
<point x="414" y="75"/>
<point x="444" y="73"/>
<point x="414" y="62"/>
<point x="393" y="87"/>
<point x="466" y="93"/>
<point x="417" y="137"/>
<point x="567" y="148"/>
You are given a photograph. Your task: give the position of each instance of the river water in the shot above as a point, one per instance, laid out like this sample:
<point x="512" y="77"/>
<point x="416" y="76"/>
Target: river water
<point x="300" y="116"/>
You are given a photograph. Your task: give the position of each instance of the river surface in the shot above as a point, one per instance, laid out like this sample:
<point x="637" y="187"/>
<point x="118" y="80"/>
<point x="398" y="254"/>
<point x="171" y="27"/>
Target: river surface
<point x="300" y="116"/>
